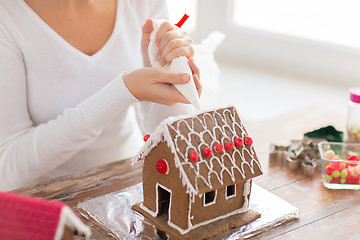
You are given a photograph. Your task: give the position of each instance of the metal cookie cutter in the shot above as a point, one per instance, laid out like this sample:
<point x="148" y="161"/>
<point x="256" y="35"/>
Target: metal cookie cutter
<point x="278" y="154"/>
<point x="301" y="154"/>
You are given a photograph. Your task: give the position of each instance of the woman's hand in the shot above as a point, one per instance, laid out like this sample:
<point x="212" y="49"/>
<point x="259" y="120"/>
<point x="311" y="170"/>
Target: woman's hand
<point x="170" y="40"/>
<point x="156" y="85"/>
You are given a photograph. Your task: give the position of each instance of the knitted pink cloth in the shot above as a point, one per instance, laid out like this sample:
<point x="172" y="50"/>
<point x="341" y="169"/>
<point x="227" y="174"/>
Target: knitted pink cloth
<point x="24" y="217"/>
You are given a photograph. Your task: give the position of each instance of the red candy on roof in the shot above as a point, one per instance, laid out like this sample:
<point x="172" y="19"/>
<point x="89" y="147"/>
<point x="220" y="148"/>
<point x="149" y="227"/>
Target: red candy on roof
<point x="239" y="142"/>
<point x="248" y="140"/>
<point x="207" y="152"/>
<point x="146" y="137"/>
<point x="194" y="156"/>
<point x="219" y="147"/>
<point x="229" y="146"/>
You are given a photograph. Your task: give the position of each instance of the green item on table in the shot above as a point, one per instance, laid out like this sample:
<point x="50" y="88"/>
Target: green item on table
<point x="329" y="133"/>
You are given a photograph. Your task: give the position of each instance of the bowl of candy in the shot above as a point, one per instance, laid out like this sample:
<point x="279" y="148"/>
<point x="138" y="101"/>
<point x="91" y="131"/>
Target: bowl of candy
<point x="340" y="165"/>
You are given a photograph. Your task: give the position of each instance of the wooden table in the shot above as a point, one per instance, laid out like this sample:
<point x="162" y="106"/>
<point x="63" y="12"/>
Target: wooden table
<point x="324" y="213"/>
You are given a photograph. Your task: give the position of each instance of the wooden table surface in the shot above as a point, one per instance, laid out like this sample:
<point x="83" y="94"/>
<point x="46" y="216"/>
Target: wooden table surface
<point x="324" y="213"/>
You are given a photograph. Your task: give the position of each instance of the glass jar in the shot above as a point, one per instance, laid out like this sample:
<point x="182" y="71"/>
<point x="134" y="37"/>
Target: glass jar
<point x="352" y="134"/>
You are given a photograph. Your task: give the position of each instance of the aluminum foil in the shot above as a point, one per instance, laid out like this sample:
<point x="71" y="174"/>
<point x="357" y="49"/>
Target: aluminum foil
<point x="113" y="213"/>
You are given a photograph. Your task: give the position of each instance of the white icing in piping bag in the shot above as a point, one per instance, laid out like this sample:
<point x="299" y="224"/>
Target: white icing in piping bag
<point x="179" y="64"/>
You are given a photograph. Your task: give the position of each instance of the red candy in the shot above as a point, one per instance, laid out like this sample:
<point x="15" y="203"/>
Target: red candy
<point x="353" y="158"/>
<point x="219" y="147"/>
<point x="336" y="180"/>
<point x="328" y="171"/>
<point x="348" y="175"/>
<point x="146" y="137"/>
<point x="207" y="152"/>
<point x="352" y="179"/>
<point x="229" y="146"/>
<point x="194" y="156"/>
<point x="248" y="140"/>
<point x="239" y="142"/>
<point x="161" y="166"/>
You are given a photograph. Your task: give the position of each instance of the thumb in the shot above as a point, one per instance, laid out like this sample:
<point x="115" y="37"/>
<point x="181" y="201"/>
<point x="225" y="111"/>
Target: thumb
<point x="148" y="27"/>
<point x="173" y="78"/>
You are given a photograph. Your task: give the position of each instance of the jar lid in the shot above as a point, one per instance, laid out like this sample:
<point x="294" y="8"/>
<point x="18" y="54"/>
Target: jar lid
<point x="355" y="94"/>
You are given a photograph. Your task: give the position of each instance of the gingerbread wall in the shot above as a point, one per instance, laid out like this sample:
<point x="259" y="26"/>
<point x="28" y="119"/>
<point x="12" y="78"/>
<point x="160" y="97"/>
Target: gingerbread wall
<point x="220" y="207"/>
<point x="179" y="206"/>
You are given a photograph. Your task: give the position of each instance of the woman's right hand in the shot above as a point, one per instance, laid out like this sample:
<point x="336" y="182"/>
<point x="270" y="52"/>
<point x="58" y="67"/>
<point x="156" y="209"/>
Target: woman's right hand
<point x="155" y="85"/>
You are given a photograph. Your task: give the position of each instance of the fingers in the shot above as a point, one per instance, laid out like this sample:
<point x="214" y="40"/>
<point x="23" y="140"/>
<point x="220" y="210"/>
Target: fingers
<point x="164" y="27"/>
<point x="194" y="68"/>
<point x="198" y="85"/>
<point x="147" y="28"/>
<point x="155" y="85"/>
<point x="172" y="43"/>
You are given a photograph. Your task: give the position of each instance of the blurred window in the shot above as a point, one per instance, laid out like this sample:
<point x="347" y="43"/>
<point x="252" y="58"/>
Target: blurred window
<point x="330" y="21"/>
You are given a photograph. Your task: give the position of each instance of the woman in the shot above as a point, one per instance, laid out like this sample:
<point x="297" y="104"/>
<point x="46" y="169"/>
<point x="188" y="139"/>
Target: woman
<point x="69" y="72"/>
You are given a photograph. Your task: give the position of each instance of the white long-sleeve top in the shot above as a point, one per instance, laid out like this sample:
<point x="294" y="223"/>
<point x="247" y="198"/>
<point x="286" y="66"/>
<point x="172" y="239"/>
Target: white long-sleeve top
<point x="62" y="111"/>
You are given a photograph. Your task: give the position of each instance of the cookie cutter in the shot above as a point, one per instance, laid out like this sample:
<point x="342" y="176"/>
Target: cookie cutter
<point x="301" y="155"/>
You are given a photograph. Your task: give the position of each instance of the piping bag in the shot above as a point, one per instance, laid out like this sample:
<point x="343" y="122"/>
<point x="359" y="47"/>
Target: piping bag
<point x="179" y="64"/>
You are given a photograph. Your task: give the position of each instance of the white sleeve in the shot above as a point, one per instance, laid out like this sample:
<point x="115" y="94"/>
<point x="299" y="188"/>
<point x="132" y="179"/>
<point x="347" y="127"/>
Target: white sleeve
<point x="26" y="151"/>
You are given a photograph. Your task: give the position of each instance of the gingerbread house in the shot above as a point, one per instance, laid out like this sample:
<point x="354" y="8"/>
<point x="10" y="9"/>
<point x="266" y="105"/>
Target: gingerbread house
<point x="27" y="218"/>
<point x="198" y="169"/>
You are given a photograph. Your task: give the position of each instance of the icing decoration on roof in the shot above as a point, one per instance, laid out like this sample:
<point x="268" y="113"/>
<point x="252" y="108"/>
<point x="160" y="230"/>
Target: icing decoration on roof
<point x="207" y="152"/>
<point x="185" y="134"/>
<point x="194" y="156"/>
<point x="146" y="137"/>
<point x="229" y="146"/>
<point x="162" y="166"/>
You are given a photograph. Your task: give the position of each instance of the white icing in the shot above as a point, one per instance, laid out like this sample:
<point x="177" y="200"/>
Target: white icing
<point x="181" y="158"/>
<point x="156" y="213"/>
<point x="71" y="220"/>
<point x="244" y="208"/>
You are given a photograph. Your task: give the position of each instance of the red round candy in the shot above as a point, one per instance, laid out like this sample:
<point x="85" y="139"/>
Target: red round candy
<point x="207" y="152"/>
<point x="238" y="142"/>
<point x="329" y="171"/>
<point x="146" y="137"/>
<point x="351" y="180"/>
<point x="194" y="156"/>
<point x="336" y="180"/>
<point x="219" y="147"/>
<point x="353" y="158"/>
<point x="229" y="146"/>
<point x="161" y="166"/>
<point x="248" y="140"/>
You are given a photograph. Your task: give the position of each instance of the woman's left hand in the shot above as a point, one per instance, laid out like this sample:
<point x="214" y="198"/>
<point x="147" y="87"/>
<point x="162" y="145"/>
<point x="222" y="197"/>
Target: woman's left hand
<point x="170" y="40"/>
<point x="171" y="43"/>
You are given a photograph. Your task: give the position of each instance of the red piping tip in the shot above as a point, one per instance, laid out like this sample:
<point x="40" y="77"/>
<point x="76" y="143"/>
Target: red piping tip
<point x="182" y="20"/>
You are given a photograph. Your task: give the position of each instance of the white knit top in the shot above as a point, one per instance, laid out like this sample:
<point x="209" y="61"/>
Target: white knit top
<point x="62" y="111"/>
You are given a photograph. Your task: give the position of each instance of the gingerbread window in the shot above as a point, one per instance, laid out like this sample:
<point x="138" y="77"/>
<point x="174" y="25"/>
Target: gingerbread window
<point x="230" y="191"/>
<point x="209" y="198"/>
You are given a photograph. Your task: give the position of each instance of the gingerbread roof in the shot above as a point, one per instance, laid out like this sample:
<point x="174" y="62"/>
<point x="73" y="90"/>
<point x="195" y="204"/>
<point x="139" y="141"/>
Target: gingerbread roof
<point x="24" y="217"/>
<point x="215" y="130"/>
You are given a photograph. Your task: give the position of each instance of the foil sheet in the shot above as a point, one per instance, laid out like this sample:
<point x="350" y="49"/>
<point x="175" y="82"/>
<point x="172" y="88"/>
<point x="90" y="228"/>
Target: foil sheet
<point x="114" y="214"/>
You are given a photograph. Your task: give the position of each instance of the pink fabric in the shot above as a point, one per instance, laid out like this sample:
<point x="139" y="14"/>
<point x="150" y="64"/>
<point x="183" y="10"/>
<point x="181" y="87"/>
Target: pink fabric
<point x="28" y="218"/>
